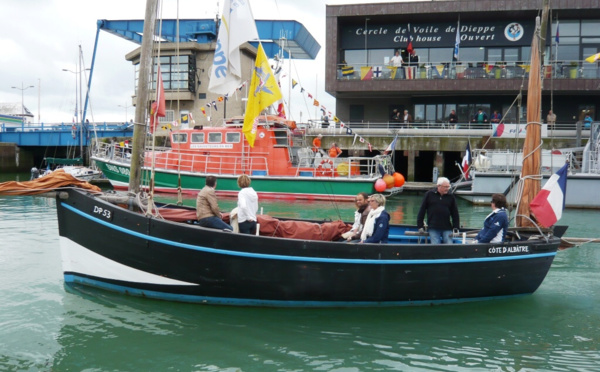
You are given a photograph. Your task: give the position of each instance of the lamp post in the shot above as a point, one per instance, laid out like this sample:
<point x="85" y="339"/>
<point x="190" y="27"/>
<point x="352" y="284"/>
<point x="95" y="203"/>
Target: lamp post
<point x="22" y="89"/>
<point x="126" y="110"/>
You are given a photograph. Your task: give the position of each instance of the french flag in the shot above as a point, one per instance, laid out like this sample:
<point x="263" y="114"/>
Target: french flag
<point x="466" y="161"/>
<point x="391" y="146"/>
<point x="548" y="204"/>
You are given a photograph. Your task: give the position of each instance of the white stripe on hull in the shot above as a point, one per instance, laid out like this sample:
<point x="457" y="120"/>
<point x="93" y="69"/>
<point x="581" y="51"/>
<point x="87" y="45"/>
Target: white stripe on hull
<point x="79" y="260"/>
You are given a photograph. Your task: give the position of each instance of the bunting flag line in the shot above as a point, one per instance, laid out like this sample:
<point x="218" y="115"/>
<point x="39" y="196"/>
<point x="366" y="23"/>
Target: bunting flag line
<point x="294" y="83"/>
<point x="370" y="147"/>
<point x="557" y="37"/>
<point x="214" y="104"/>
<point x="316" y="103"/>
<point x="203" y="110"/>
<point x="355" y="137"/>
<point x="220" y="99"/>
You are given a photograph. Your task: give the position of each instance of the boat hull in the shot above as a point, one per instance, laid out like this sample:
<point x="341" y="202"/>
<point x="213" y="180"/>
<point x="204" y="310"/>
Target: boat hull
<point x="581" y="189"/>
<point x="154" y="258"/>
<point x="271" y="187"/>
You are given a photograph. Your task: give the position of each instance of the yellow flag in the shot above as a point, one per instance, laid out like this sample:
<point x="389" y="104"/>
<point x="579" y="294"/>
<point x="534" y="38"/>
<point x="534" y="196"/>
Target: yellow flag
<point x="264" y="91"/>
<point x="594" y="58"/>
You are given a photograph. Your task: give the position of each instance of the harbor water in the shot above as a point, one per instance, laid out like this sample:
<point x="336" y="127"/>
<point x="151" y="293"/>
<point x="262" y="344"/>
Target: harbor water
<point x="46" y="326"/>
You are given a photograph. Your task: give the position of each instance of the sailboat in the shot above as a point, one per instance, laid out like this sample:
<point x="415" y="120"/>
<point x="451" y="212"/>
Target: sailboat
<point x="128" y="245"/>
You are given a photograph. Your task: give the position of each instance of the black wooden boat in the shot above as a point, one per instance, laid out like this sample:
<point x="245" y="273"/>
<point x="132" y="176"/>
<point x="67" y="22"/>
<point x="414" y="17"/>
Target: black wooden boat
<point x="110" y="247"/>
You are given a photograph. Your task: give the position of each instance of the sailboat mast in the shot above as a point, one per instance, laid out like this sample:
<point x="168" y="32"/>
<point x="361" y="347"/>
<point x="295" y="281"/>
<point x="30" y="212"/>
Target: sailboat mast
<point x="139" y="130"/>
<point x="532" y="147"/>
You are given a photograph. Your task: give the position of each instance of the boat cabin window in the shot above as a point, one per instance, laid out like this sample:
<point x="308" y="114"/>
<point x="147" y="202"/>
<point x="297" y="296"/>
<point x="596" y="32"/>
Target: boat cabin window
<point x="197" y="137"/>
<point x="215" y="137"/>
<point x="179" y="138"/>
<point x="233" y="137"/>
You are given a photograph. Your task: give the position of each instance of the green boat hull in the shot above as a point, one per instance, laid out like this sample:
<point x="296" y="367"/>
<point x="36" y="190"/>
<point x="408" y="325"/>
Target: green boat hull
<point x="301" y="187"/>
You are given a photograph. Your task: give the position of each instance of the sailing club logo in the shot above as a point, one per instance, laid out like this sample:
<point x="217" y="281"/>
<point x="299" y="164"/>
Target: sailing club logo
<point x="513" y="31"/>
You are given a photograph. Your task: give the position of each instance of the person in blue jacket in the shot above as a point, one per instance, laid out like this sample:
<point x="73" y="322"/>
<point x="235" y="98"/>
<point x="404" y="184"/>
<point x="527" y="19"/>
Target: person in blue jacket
<point x="377" y="225"/>
<point x="495" y="225"/>
<point x="587" y="121"/>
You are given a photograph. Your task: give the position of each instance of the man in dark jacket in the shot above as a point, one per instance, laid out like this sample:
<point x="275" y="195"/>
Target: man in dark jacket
<point x="440" y="206"/>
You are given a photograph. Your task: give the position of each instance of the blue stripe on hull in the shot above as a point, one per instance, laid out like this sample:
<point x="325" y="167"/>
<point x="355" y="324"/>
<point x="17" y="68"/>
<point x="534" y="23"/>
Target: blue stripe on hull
<point x="303" y="258"/>
<point x="74" y="280"/>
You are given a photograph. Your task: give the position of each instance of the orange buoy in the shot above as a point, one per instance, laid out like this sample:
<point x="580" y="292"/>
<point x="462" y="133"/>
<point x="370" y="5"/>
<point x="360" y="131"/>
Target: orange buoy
<point x="380" y="185"/>
<point x="389" y="181"/>
<point x="398" y="179"/>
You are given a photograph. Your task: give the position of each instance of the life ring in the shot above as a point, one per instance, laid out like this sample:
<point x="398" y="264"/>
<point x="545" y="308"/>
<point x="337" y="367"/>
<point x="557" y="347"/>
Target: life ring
<point x="73" y="131"/>
<point x="323" y="170"/>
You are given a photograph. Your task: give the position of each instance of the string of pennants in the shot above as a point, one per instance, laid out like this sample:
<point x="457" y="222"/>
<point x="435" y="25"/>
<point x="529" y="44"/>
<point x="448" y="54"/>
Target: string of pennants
<point x="316" y="103"/>
<point x="337" y="120"/>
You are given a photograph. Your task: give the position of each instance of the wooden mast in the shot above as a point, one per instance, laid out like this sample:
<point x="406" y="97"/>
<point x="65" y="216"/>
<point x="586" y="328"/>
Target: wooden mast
<point x="532" y="146"/>
<point x="139" y="130"/>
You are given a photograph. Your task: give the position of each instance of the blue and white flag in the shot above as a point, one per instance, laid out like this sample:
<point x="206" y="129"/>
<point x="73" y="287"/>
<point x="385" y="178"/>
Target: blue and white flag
<point x="391" y="146"/>
<point x="457" y="42"/>
<point x="237" y="27"/>
<point x="548" y="204"/>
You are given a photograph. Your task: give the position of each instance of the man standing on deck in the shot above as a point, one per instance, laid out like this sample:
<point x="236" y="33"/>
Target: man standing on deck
<point x="440" y="206"/>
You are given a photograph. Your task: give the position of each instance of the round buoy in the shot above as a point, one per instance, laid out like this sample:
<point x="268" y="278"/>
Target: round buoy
<point x="398" y="179"/>
<point x="342" y="169"/>
<point x="380" y="185"/>
<point x="389" y="181"/>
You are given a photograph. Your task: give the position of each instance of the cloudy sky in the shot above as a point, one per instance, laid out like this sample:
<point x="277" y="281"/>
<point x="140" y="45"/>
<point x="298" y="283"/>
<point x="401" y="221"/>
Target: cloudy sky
<point x="40" y="38"/>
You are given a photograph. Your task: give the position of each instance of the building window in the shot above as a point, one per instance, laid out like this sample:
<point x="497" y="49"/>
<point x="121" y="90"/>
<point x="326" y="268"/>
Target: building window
<point x="168" y="118"/>
<point x="178" y="73"/>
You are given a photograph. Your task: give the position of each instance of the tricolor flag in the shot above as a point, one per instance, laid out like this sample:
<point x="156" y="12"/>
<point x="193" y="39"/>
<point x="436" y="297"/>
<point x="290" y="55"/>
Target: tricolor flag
<point x="548" y="204"/>
<point x="466" y="161"/>
<point x="391" y="146"/>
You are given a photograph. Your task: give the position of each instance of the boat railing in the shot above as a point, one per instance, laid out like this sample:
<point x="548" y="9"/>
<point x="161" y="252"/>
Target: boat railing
<point x="114" y="152"/>
<point x="346" y="167"/>
<point x="510" y="161"/>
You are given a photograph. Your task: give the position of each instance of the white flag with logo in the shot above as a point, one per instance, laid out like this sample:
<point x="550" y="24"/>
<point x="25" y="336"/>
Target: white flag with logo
<point x="237" y="27"/>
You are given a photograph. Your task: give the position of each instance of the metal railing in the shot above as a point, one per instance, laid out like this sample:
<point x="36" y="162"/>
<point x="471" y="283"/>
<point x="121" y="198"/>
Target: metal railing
<point x="471" y="70"/>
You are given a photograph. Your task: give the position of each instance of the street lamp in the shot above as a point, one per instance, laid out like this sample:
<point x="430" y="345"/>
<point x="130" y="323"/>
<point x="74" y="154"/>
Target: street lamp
<point x="126" y="110"/>
<point x="22" y="89"/>
<point x="76" y="98"/>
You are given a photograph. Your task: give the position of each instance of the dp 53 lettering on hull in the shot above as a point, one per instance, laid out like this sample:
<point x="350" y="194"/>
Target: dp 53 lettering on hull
<point x="104" y="213"/>
<point x="509" y="249"/>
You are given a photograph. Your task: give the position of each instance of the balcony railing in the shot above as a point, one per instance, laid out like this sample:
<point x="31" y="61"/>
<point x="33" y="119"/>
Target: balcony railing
<point x="468" y="70"/>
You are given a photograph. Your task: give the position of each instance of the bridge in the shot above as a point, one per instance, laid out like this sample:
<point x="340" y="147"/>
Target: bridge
<point x="63" y="134"/>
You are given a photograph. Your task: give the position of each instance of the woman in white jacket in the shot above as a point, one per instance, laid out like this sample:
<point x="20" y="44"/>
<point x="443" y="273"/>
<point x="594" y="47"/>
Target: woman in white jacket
<point x="247" y="206"/>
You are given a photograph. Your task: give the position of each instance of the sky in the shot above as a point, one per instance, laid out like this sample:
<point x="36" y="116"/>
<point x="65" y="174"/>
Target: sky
<point x="40" y="38"/>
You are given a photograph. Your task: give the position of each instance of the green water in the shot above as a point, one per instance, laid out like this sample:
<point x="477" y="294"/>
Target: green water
<point x="47" y="327"/>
